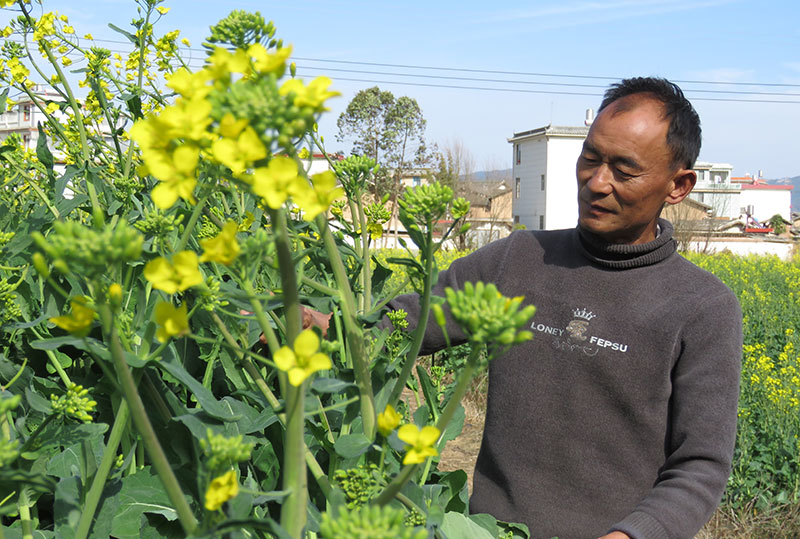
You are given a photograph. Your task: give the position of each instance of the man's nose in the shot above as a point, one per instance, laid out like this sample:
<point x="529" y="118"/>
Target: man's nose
<point x="600" y="180"/>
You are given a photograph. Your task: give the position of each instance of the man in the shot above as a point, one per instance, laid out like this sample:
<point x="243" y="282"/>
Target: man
<point x="619" y="417"/>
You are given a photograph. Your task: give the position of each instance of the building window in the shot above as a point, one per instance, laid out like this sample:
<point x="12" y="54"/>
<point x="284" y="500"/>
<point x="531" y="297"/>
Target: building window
<point x="516" y="219"/>
<point x="26" y="113"/>
<point x="519" y="153"/>
<point x="26" y="140"/>
<point x="516" y="188"/>
<point x="543" y="182"/>
<point x="541" y="222"/>
<point x="415" y="180"/>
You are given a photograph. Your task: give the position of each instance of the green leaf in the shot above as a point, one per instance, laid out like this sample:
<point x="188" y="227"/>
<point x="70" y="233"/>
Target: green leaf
<point x="352" y="445"/>
<point x="132" y="38"/>
<point x="457" y="525"/>
<point x="410" y="262"/>
<point x="380" y="274"/>
<point x="43" y="153"/>
<point x="454" y="427"/>
<point x="3" y="97"/>
<point x="430" y="392"/>
<point x="204" y="397"/>
<point x="67" y="507"/>
<point x="141" y="493"/>
<point x="37" y="402"/>
<point x="329" y="385"/>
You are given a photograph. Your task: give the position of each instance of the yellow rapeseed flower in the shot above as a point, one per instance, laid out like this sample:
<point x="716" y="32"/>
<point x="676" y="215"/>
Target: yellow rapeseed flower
<point x="79" y="321"/>
<point x="221" y="489"/>
<point x="239" y="154"/>
<point x="277" y="181"/>
<point x="264" y="62"/>
<point x="223" y="247"/>
<point x="388" y="420"/>
<point x="171" y="322"/>
<point x="314" y="95"/>
<point x="178" y="275"/>
<point x="420" y="442"/>
<point x="304" y="359"/>
<point x="188" y="84"/>
<point x="222" y="63"/>
<point x="318" y="199"/>
<point x="163" y="10"/>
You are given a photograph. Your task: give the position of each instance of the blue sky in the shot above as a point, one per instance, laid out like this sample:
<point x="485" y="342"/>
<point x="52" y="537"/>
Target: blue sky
<point x="589" y="43"/>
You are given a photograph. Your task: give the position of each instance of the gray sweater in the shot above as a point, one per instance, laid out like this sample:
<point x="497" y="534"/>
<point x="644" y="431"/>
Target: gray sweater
<point x="620" y="414"/>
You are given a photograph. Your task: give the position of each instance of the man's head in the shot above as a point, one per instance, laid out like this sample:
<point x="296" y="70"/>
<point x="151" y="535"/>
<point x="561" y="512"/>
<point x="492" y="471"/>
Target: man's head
<point x="637" y="156"/>
<point x="683" y="134"/>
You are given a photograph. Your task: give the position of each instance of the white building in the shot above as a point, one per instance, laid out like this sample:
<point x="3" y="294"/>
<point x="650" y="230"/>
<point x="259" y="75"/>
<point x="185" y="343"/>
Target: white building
<point x="23" y="117"/>
<point x="762" y="201"/>
<point x="545" y="189"/>
<point x="715" y="188"/>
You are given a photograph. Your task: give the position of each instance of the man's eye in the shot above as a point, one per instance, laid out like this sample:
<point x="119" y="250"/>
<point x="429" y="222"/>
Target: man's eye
<point x="588" y="160"/>
<point x="622" y="174"/>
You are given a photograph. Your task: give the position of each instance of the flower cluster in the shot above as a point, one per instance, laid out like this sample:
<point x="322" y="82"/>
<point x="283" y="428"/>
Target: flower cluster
<point x="223" y="452"/>
<point x="75" y="403"/>
<point x="214" y="118"/>
<point x="369" y="522"/>
<point x="488" y="317"/>
<point x="87" y="251"/>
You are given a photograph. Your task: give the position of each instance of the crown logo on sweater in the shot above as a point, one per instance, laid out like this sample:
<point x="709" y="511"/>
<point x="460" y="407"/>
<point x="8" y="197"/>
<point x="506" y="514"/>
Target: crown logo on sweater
<point x="583" y="313"/>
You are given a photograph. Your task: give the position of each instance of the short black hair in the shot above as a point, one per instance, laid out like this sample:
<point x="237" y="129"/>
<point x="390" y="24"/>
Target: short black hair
<point x="683" y="134"/>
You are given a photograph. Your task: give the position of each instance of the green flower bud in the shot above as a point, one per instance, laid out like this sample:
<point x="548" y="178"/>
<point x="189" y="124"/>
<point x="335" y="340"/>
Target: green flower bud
<point x="41" y="265"/>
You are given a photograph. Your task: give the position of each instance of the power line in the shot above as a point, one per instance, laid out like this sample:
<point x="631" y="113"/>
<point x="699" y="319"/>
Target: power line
<point x="552" y="92"/>
<point x="531" y="74"/>
<point x="537" y="83"/>
<point x="327" y="70"/>
<point x="492" y="71"/>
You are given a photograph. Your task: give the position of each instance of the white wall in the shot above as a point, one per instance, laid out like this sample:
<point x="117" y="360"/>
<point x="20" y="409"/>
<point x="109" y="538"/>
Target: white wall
<point x="746" y="246"/>
<point x="562" y="185"/>
<point x="533" y="163"/>
<point x="768" y="202"/>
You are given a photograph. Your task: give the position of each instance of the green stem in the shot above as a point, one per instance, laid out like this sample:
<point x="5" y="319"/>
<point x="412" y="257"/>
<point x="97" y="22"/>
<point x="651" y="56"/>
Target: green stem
<point x="261" y="384"/>
<point x="291" y="297"/>
<point x="394" y="487"/>
<point x="353" y="331"/>
<point x="462" y="385"/>
<point x="366" y="263"/>
<point x="100" y="478"/>
<point x="422" y="323"/>
<point x="187" y="232"/>
<point x="25" y="521"/>
<point x="145" y="429"/>
<point x="293" y="510"/>
<point x="261" y="317"/>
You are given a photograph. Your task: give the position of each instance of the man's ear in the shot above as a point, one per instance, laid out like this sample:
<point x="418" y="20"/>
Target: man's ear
<point x="683" y="183"/>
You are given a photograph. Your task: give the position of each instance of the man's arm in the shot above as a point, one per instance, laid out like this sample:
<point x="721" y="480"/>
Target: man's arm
<point x="702" y="426"/>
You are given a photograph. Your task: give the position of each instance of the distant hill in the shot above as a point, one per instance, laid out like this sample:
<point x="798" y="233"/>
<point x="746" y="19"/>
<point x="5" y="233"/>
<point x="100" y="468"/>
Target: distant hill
<point x="483" y="175"/>
<point x="795" y="181"/>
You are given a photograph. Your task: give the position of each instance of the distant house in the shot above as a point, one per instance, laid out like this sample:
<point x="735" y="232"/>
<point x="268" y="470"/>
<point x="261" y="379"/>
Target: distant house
<point x="490" y="213"/>
<point x="22" y="119"/>
<point x="545" y="192"/>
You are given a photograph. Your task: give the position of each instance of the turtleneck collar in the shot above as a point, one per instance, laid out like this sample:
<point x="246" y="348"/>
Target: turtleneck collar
<point x="624" y="256"/>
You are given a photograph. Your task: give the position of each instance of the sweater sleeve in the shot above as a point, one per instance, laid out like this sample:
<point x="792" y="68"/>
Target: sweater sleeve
<point x="702" y="426"/>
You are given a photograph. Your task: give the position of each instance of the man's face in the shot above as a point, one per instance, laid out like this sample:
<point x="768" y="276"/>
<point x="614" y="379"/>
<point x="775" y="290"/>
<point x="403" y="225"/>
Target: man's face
<point x="625" y="172"/>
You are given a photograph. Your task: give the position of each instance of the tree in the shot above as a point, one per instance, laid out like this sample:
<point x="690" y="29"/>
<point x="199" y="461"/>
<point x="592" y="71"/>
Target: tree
<point x="389" y="130"/>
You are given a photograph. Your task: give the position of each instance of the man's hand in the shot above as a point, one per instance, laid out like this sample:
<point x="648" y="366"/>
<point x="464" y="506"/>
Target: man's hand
<point x="313" y="318"/>
<point x="615" y="535"/>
